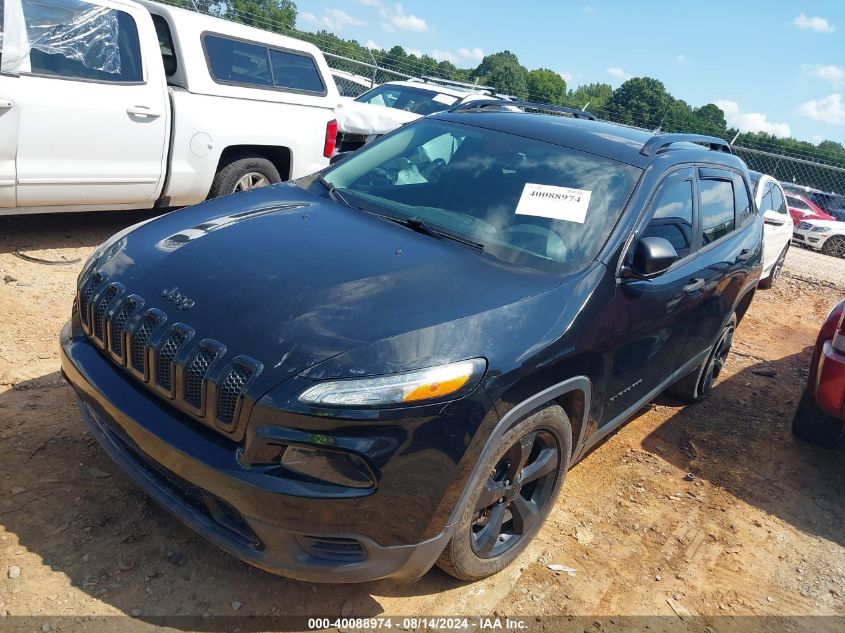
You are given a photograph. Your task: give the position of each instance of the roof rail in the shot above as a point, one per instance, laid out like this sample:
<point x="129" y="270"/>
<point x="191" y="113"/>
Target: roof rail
<point x="661" y="142"/>
<point x="481" y="104"/>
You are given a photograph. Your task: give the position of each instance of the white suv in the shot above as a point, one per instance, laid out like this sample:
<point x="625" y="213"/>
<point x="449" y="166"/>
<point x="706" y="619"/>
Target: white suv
<point x="777" y="225"/>
<point x="821" y="235"/>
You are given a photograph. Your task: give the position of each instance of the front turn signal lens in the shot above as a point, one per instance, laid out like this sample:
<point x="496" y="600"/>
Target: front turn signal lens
<point x="414" y="386"/>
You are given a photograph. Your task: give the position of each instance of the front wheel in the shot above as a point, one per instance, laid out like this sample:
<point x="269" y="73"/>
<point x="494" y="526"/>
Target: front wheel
<point x="244" y="174"/>
<point x="521" y="482"/>
<point x="834" y="246"/>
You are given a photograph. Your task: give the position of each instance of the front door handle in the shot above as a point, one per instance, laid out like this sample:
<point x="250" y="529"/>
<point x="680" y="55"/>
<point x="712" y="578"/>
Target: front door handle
<point x="744" y="255"/>
<point x="142" y="111"/>
<point x="694" y="285"/>
<point x="5" y="104"/>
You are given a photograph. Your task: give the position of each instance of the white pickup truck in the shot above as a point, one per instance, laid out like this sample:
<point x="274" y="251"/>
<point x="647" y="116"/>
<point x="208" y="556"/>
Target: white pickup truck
<point x="114" y="104"/>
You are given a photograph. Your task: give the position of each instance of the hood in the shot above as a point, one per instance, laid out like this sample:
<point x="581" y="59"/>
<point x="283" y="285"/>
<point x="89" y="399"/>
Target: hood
<point x="291" y="278"/>
<point x="833" y="224"/>
<point x="354" y="117"/>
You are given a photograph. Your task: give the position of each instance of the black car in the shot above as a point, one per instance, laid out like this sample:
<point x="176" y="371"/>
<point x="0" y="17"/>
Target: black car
<point x="394" y="363"/>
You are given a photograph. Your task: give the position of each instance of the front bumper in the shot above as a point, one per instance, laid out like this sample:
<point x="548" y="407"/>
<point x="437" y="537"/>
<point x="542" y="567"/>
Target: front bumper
<point x="808" y="238"/>
<point x="194" y="473"/>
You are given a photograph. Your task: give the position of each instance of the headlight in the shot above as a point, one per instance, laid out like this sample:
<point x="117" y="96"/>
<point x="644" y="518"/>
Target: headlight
<point x="820" y="229"/>
<point x="407" y="387"/>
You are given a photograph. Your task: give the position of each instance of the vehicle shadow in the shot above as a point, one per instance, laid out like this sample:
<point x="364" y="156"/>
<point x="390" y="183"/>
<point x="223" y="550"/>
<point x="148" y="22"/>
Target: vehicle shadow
<point x="65" y="501"/>
<point x="36" y="232"/>
<point x="740" y="440"/>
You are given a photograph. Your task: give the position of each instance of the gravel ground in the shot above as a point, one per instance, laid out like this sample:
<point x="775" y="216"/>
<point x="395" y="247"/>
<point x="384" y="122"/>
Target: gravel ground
<point x="802" y="263"/>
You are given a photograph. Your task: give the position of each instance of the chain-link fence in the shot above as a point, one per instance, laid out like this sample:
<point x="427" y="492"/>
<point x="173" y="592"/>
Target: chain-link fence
<point x="354" y="77"/>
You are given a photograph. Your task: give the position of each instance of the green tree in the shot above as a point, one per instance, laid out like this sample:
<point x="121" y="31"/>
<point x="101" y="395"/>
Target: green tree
<point x="547" y="86"/>
<point x="590" y="97"/>
<point x="271" y="15"/>
<point x="711" y="116"/>
<point x="641" y="101"/>
<point x="504" y="72"/>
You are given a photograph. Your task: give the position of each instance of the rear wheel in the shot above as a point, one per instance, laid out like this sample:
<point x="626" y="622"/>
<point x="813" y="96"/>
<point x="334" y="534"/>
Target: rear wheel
<point x="697" y="385"/>
<point x="244" y="174"/>
<point x="834" y="246"/>
<point x="774" y="273"/>
<point x="508" y="506"/>
<point x="813" y="425"/>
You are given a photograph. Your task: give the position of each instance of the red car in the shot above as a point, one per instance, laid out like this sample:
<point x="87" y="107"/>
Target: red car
<point x="802" y="209"/>
<point x="821" y="412"/>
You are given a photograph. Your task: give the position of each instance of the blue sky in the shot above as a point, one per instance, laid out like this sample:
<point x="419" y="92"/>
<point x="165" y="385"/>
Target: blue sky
<point x="772" y="65"/>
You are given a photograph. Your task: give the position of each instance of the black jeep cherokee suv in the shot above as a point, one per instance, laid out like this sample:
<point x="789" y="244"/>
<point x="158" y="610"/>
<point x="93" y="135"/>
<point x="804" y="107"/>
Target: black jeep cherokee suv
<point x="394" y="363"/>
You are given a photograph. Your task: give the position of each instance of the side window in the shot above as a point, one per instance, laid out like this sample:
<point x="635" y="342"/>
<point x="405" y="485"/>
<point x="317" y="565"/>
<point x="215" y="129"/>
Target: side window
<point x="797" y="203"/>
<point x="296" y="72"/>
<point x="82" y="40"/>
<point x="778" y="201"/>
<point x="238" y="62"/>
<point x="766" y="202"/>
<point x="2" y="3"/>
<point x="672" y="217"/>
<point x="716" y="207"/>
<point x="742" y="201"/>
<point x="165" y="45"/>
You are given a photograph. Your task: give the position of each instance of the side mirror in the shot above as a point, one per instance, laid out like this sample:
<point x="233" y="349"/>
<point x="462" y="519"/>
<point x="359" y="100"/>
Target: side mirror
<point x="653" y="255"/>
<point x="339" y="157"/>
<point x="774" y="218"/>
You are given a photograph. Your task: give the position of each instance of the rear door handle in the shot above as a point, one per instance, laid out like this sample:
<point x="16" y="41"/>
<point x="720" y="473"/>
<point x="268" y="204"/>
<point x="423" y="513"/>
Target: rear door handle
<point x="694" y="284"/>
<point x="142" y="111"/>
<point x="5" y="104"/>
<point x="744" y="255"/>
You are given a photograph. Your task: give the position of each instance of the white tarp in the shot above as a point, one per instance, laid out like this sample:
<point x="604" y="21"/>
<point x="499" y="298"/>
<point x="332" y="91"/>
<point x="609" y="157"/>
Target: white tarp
<point x="77" y="30"/>
<point x="363" y="118"/>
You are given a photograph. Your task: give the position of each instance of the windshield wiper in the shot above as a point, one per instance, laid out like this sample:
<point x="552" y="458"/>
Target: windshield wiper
<point x="334" y="194"/>
<point x="415" y="224"/>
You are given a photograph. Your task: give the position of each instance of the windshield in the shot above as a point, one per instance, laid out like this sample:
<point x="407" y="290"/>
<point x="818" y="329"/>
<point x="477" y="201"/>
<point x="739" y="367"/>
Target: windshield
<point x="525" y="201"/>
<point x="416" y="100"/>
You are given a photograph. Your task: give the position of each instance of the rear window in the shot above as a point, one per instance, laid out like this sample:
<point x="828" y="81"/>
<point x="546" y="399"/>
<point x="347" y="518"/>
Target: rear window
<point x="251" y="64"/>
<point x="798" y="203"/>
<point x="416" y="100"/>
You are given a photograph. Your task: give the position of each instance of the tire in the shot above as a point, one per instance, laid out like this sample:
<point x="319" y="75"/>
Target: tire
<point x="774" y="273"/>
<point x="834" y="246"/>
<point x="244" y="174"/>
<point x="697" y="385"/>
<point x="813" y="425"/>
<point x="491" y="532"/>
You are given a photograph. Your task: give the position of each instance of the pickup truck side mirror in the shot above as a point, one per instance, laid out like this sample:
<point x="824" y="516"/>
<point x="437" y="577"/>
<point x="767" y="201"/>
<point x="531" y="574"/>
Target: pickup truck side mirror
<point x="339" y="157"/>
<point x="652" y="255"/>
<point x="774" y="218"/>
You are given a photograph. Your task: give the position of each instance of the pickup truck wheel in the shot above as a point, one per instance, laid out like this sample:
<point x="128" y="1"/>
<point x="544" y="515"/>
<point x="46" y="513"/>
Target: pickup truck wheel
<point x="774" y="273"/>
<point x="244" y="174"/>
<point x="697" y="385"/>
<point x="509" y="504"/>
<point x="813" y="425"/>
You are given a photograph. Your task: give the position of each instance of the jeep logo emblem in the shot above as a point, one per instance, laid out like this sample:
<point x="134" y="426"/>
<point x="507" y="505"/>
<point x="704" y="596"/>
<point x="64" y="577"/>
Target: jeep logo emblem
<point x="178" y="297"/>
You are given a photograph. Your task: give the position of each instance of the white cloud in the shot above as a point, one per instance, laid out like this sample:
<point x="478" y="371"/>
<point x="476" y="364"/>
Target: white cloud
<point x="332" y="19"/>
<point x="442" y="56"/>
<point x="751" y="121"/>
<point x="681" y="59"/>
<point x="835" y="75"/>
<point x="587" y="10"/>
<point x="830" y="110"/>
<point x="815" y="23"/>
<point x="414" y="51"/>
<point x="398" y="19"/>
<point x="471" y="54"/>
<point x="567" y="77"/>
<point x="371" y="3"/>
<point x="618" y="73"/>
<point x="371" y="44"/>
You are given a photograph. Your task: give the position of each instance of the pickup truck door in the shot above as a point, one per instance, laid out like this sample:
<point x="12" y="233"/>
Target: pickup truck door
<point x="92" y="104"/>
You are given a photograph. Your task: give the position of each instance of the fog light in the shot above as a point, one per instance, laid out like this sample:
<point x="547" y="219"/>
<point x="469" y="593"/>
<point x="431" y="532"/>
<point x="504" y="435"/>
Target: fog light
<point x="340" y="469"/>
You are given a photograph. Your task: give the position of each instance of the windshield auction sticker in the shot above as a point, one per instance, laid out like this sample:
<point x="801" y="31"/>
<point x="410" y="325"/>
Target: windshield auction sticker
<point x="555" y="203"/>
